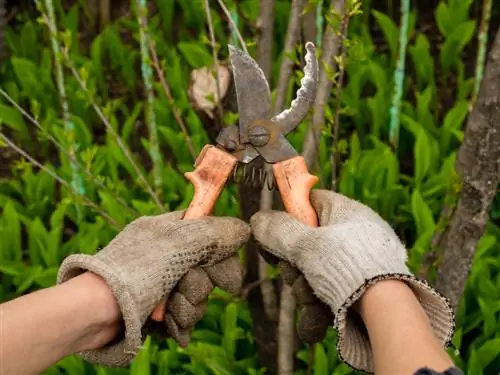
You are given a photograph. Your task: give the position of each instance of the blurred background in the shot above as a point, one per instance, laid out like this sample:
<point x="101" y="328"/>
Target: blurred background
<point x="106" y="103"/>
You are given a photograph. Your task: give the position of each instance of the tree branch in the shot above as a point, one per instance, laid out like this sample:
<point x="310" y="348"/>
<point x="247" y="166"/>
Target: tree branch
<point x="478" y="166"/>
<point x="327" y="68"/>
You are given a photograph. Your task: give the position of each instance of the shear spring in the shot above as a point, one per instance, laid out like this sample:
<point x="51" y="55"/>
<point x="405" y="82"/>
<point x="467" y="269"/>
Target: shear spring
<point x="253" y="176"/>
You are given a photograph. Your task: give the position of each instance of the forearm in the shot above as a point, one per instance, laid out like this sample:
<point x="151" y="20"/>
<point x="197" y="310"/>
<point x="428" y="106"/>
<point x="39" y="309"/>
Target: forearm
<point x="401" y="337"/>
<point x="41" y="328"/>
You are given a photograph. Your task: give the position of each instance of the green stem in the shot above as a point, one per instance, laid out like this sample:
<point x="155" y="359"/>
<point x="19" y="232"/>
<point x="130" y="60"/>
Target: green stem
<point x="399" y="75"/>
<point x="76" y="180"/>
<point x="481" y="53"/>
<point x="147" y="76"/>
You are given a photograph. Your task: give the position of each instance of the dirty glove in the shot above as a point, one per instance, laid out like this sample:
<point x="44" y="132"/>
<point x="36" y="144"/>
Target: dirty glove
<point x="351" y="250"/>
<point x="143" y="264"/>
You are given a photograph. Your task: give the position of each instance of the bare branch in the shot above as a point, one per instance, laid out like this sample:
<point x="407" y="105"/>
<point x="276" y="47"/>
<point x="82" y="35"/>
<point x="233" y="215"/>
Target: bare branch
<point x="478" y="166"/>
<point x="265" y="25"/>
<point x="214" y="55"/>
<point x="286" y="331"/>
<point x="286" y="319"/>
<point x="292" y="35"/>
<point x="233" y="26"/>
<point x="168" y="94"/>
<point x="327" y="67"/>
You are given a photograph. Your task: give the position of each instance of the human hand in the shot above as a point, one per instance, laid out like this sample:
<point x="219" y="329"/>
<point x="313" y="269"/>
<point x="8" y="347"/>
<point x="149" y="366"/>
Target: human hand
<point x="145" y="262"/>
<point x="351" y="250"/>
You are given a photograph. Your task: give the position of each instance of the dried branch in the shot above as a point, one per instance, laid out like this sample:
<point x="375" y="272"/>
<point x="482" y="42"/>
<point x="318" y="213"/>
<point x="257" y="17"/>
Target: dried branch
<point x="292" y="36"/>
<point x="168" y="94"/>
<point x="59" y="179"/>
<point x="265" y="25"/>
<point x="147" y="77"/>
<point x="71" y="157"/>
<point x="214" y="55"/>
<point x="478" y="166"/>
<point x="233" y="25"/>
<point x="286" y="331"/>
<point x="308" y="21"/>
<point x="104" y="13"/>
<point x="327" y="68"/>
<point x="286" y="319"/>
<point x="399" y="75"/>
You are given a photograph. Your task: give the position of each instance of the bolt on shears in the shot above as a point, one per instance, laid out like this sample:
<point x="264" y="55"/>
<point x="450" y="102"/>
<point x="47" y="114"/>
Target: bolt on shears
<point x="258" y="134"/>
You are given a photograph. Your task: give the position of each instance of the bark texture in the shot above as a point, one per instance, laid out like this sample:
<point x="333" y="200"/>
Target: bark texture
<point x="478" y="165"/>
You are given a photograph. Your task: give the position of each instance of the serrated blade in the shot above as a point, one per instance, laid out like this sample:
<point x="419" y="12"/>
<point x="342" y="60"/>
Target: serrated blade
<point x="252" y="91"/>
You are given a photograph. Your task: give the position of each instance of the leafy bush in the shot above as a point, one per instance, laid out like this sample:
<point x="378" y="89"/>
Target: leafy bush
<point x="43" y="221"/>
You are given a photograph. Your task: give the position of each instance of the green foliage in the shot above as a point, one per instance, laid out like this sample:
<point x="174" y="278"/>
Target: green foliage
<point x="40" y="224"/>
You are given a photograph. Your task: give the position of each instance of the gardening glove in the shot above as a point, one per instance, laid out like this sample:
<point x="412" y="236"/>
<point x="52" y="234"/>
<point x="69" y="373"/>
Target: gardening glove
<point x="143" y="264"/>
<point x="351" y="250"/>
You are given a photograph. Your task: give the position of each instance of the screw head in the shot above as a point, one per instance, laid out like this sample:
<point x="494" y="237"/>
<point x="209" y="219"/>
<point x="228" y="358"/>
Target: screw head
<point x="259" y="136"/>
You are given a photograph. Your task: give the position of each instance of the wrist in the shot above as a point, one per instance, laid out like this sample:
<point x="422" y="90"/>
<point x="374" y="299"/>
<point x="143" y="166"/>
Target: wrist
<point x="103" y="322"/>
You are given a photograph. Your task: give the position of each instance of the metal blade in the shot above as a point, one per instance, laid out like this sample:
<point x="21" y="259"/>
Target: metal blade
<point x="252" y="90"/>
<point x="277" y="151"/>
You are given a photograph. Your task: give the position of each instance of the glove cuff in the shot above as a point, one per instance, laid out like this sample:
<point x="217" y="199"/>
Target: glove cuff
<point x="122" y="351"/>
<point x="353" y="345"/>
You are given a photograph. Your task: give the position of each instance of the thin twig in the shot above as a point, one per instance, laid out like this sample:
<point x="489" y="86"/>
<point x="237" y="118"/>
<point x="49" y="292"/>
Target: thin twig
<point x="104" y="13"/>
<point x="233" y="25"/>
<point x="292" y="35"/>
<point x="147" y="76"/>
<point x="327" y="69"/>
<point x="54" y="175"/>
<point x="340" y="83"/>
<point x="110" y="129"/>
<point x="482" y="46"/>
<point x="214" y="55"/>
<point x="399" y="75"/>
<point x="71" y="157"/>
<point x="286" y="331"/>
<point x="168" y="94"/>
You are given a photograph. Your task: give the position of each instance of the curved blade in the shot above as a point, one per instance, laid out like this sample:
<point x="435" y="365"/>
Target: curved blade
<point x="252" y="90"/>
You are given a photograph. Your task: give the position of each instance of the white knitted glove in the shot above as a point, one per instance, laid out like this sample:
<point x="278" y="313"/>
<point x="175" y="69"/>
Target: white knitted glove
<point x="352" y="249"/>
<point x="158" y="256"/>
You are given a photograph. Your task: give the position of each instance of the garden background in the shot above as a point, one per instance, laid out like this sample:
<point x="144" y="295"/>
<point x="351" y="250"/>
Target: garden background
<point x="105" y="104"/>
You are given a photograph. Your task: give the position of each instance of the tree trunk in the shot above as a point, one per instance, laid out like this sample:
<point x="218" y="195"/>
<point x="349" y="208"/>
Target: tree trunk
<point x="478" y="166"/>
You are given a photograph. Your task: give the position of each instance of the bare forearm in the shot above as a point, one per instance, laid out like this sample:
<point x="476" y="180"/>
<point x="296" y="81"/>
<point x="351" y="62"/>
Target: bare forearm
<point x="41" y="328"/>
<point x="401" y="337"/>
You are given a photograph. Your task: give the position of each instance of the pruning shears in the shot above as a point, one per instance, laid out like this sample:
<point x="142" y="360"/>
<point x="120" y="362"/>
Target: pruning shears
<point x="258" y="134"/>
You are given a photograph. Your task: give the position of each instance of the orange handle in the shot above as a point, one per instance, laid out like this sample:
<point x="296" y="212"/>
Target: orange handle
<point x="212" y="170"/>
<point x="295" y="183"/>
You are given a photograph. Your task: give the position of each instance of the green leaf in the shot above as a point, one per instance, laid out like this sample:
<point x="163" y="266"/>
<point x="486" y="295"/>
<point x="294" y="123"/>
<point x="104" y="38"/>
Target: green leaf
<point x="11" y="236"/>
<point x="389" y="29"/>
<point x="422" y="155"/>
<point x="320" y="361"/>
<point x="141" y="363"/>
<point x="195" y="54"/>
<point x="13" y="119"/>
<point x="422" y="214"/>
<point x="444" y="18"/>
<point x="453" y="121"/>
<point x="28" y="278"/>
